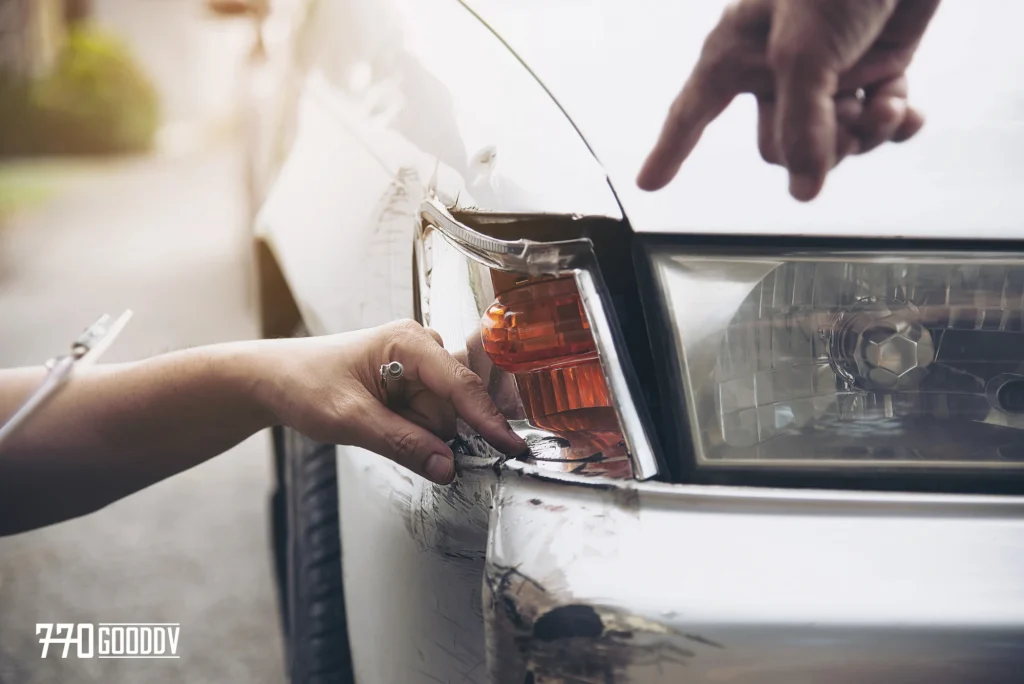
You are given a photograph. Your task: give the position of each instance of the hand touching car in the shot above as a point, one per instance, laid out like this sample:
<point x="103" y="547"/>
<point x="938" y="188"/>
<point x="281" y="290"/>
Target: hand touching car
<point x="329" y="389"/>
<point x="829" y="77"/>
<point x="115" y="429"/>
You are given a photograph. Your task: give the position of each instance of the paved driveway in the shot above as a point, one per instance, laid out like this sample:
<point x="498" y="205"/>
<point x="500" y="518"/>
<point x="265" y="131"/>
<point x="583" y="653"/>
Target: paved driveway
<point x="162" y="236"/>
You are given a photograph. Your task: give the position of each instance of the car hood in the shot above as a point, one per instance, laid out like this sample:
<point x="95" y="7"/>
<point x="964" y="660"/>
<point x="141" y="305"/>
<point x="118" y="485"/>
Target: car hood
<point x="615" y="66"/>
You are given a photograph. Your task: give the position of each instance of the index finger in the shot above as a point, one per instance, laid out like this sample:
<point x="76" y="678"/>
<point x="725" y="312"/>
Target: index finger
<point x="730" y="63"/>
<point x="697" y="105"/>
<point x="441" y="373"/>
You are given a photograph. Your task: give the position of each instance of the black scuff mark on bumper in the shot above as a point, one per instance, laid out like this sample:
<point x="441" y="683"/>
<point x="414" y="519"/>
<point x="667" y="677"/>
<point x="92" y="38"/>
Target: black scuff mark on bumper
<point x="451" y="521"/>
<point x="703" y="640"/>
<point x="624" y="495"/>
<point x="532" y="635"/>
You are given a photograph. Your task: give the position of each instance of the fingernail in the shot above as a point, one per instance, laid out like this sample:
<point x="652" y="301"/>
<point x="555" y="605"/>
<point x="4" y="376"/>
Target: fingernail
<point x="649" y="178"/>
<point x="439" y="468"/>
<point x="642" y="180"/>
<point x="802" y="187"/>
<point x="516" y="438"/>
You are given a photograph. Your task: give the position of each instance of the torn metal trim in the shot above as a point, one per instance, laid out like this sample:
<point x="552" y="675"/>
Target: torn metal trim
<point x="577" y="258"/>
<point x="521" y="256"/>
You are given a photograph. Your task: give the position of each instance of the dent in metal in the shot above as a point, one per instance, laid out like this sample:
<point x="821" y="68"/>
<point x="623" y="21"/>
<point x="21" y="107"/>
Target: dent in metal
<point x="537" y="635"/>
<point x="600" y="580"/>
<point x="765" y="586"/>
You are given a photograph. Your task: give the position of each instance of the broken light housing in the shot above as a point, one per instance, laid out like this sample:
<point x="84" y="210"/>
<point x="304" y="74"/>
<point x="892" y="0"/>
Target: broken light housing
<point x="859" y="360"/>
<point x="532" y="320"/>
<point x="538" y="332"/>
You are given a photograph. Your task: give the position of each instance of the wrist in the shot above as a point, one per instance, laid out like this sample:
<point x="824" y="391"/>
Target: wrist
<point x="245" y="372"/>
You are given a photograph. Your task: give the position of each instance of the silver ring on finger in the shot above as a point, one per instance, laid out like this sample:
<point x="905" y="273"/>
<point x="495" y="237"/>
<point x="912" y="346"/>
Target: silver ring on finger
<point x="390" y="378"/>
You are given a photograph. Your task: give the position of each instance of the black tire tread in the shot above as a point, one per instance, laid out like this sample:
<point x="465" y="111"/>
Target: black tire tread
<point x="318" y="648"/>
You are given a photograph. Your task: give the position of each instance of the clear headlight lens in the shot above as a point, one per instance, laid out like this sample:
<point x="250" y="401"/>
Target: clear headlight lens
<point x="865" y="360"/>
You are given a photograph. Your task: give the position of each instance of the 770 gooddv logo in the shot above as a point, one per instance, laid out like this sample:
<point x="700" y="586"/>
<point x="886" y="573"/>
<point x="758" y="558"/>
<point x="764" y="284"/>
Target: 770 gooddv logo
<point x="136" y="640"/>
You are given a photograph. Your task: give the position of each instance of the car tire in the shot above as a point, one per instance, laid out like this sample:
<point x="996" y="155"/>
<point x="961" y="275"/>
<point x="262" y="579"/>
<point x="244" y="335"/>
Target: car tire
<point x="307" y="544"/>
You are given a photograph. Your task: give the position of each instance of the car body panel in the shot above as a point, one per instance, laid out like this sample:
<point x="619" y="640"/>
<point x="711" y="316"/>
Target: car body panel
<point x="394" y="101"/>
<point x="413" y="559"/>
<point x="387" y="112"/>
<point x="693" y="583"/>
<point x="615" y="67"/>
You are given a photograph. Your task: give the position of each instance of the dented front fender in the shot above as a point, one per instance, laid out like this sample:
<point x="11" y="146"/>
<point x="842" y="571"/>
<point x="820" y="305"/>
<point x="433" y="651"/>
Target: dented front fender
<point x="539" y="627"/>
<point x="602" y="581"/>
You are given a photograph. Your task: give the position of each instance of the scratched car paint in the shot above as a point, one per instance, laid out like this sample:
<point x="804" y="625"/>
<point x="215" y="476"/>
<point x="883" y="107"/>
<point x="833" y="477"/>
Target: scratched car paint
<point x="519" y="572"/>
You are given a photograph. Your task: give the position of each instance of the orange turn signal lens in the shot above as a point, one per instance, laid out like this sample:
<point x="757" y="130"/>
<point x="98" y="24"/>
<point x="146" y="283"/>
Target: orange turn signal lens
<point x="539" y="332"/>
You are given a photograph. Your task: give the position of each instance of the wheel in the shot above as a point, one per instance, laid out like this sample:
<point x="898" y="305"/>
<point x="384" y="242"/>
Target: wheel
<point x="308" y="553"/>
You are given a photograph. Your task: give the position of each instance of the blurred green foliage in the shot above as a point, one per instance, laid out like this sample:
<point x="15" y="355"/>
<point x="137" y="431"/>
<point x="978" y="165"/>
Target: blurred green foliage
<point x="19" y="191"/>
<point x="96" y="101"/>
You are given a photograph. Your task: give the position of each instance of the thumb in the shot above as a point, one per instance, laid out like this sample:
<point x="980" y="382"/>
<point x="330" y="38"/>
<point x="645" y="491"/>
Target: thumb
<point x="382" y="431"/>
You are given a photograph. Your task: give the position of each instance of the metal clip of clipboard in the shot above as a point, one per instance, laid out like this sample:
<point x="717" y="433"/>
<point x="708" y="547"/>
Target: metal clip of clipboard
<point x="86" y="349"/>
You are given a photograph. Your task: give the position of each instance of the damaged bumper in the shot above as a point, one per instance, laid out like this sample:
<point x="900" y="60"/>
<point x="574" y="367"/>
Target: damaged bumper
<point x="606" y="581"/>
<point x="592" y="579"/>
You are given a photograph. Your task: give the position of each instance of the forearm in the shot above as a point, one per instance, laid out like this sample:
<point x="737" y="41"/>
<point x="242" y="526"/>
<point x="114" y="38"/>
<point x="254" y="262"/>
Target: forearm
<point x="115" y="429"/>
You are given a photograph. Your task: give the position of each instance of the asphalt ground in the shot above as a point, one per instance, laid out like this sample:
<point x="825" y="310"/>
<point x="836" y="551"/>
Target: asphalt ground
<point x="163" y="235"/>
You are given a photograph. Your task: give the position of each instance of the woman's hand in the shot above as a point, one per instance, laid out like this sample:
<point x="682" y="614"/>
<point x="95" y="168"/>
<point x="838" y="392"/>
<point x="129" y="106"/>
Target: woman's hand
<point x="806" y="61"/>
<point x="329" y="389"/>
<point x="115" y="429"/>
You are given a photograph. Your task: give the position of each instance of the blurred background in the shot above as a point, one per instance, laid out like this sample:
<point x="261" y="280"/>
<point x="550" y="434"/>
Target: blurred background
<point x="121" y="186"/>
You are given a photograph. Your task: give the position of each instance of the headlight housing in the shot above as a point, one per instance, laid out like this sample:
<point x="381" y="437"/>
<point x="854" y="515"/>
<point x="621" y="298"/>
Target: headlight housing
<point x="848" y="360"/>
<point x="535" y="321"/>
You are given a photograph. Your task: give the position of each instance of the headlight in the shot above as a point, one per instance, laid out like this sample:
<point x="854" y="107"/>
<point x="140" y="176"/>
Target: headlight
<point x="856" y="360"/>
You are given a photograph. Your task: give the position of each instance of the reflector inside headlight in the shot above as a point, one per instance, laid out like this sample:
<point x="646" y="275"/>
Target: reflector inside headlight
<point x="858" y="360"/>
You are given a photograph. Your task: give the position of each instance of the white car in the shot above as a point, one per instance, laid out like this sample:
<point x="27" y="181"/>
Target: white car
<point x="770" y="441"/>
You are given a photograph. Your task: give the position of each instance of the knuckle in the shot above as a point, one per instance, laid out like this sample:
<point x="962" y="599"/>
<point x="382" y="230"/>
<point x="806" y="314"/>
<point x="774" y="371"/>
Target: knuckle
<point x="398" y="334"/>
<point x="468" y="379"/>
<point x="799" y="59"/>
<point x="436" y="335"/>
<point x="406" y="326"/>
<point x="403" y="443"/>
<point x="746" y="17"/>
<point x="786" y="56"/>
